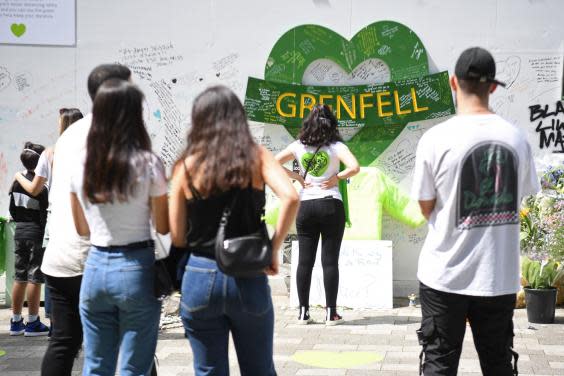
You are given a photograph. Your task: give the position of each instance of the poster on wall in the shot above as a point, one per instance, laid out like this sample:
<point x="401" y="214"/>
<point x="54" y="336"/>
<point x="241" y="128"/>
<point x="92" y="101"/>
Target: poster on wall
<point x="532" y="100"/>
<point x="38" y="22"/>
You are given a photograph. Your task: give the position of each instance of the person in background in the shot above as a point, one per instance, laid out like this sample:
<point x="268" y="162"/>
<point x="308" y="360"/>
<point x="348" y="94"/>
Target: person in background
<point x="30" y="213"/>
<point x="470" y="175"/>
<point x="319" y="151"/>
<point x="66" y="252"/>
<point x="221" y="161"/>
<point x="67" y="116"/>
<point x="115" y="191"/>
<point x="42" y="178"/>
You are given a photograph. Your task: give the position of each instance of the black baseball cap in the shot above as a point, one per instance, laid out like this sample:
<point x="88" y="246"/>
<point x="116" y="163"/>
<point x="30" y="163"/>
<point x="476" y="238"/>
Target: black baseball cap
<point x="476" y="64"/>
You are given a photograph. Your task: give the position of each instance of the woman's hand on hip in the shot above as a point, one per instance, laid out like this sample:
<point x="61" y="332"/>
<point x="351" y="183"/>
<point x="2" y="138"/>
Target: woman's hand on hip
<point x="333" y="181"/>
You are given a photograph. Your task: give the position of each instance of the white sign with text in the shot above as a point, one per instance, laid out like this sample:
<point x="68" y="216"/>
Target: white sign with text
<point x="365" y="268"/>
<point x="38" y="22"/>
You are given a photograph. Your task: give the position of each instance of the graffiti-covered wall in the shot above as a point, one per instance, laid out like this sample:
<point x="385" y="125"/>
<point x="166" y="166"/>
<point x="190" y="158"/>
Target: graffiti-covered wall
<point x="260" y="49"/>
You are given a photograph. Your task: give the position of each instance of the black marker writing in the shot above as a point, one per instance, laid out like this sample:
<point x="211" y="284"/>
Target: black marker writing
<point x="550" y="131"/>
<point x="539" y="112"/>
<point x="551" y="135"/>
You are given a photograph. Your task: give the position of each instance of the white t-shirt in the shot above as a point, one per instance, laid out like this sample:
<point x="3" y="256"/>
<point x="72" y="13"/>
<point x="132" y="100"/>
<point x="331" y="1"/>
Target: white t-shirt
<point x="43" y="168"/>
<point x="122" y="223"/>
<point x="66" y="251"/>
<point x="325" y="165"/>
<point x="478" y="168"/>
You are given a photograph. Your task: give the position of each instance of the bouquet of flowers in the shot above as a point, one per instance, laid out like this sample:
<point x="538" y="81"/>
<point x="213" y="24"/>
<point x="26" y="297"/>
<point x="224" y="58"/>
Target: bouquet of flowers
<point x="542" y="232"/>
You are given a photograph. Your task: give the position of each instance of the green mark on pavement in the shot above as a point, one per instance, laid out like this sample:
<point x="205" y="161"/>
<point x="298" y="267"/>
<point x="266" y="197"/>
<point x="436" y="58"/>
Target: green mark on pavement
<point x="2" y="352"/>
<point x="329" y="359"/>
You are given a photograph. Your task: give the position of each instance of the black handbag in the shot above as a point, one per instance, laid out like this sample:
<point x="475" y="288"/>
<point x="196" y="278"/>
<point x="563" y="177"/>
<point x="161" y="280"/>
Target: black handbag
<point x="243" y="256"/>
<point x="163" y="283"/>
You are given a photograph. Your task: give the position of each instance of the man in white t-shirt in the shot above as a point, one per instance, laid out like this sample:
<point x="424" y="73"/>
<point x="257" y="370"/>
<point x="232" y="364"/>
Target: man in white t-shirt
<point x="471" y="173"/>
<point x="63" y="262"/>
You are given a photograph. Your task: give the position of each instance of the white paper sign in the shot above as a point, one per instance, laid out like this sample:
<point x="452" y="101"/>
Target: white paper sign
<point x="38" y="22"/>
<point x="365" y="268"/>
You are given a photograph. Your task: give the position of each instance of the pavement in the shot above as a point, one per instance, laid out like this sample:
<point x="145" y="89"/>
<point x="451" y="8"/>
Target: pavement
<point x="371" y="342"/>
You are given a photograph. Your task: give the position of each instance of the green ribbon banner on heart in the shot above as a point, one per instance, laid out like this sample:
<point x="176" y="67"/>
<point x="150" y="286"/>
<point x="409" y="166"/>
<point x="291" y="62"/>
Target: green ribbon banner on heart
<point x="372" y="114"/>
<point x="389" y="104"/>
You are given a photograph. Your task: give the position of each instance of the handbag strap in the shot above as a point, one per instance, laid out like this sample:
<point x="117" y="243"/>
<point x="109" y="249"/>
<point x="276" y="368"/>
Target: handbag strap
<point x="229" y="208"/>
<point x="195" y="194"/>
<point x="311" y="160"/>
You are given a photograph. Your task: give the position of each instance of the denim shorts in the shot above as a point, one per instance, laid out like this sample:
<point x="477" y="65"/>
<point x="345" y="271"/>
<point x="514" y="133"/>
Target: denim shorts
<point x="29" y="256"/>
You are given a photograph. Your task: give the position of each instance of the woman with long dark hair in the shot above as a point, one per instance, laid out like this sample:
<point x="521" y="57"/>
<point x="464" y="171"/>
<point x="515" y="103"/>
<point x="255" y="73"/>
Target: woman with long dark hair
<point x="319" y="151"/>
<point x="223" y="166"/>
<point x="114" y="195"/>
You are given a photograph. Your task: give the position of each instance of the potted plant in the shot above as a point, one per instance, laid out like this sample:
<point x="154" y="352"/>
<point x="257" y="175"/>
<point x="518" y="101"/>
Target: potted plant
<point x="540" y="293"/>
<point x="542" y="242"/>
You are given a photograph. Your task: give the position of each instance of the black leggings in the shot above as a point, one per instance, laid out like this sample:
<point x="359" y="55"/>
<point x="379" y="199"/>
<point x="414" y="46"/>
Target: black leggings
<point x="66" y="339"/>
<point x="325" y="217"/>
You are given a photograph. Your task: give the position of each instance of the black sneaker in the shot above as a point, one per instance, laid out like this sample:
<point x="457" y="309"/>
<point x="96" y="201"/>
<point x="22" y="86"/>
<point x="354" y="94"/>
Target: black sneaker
<point x="304" y="318"/>
<point x="333" y="318"/>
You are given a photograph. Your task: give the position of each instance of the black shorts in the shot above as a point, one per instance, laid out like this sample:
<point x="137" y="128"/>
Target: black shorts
<point x="29" y="256"/>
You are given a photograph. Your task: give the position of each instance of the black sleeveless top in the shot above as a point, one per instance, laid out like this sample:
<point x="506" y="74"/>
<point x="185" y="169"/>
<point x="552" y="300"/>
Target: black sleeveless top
<point x="204" y="214"/>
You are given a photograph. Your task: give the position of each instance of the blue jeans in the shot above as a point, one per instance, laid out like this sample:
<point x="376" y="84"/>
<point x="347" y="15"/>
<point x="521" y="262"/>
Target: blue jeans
<point x="119" y="311"/>
<point x="212" y="305"/>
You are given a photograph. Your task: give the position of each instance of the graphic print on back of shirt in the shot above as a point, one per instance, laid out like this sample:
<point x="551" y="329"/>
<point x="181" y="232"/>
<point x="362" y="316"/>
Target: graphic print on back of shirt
<point x="318" y="165"/>
<point x="488" y="194"/>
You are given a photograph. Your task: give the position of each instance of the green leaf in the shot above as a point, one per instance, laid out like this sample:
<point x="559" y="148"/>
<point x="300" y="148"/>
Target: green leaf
<point x="559" y="277"/>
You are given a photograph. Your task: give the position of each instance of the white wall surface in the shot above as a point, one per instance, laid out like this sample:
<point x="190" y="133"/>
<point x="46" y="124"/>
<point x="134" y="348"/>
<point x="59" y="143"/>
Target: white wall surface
<point x="226" y="41"/>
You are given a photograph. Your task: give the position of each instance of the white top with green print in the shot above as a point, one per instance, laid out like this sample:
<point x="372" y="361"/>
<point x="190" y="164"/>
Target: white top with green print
<point x="325" y="164"/>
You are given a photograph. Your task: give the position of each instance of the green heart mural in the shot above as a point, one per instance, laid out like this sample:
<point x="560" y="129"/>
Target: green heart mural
<point x="319" y="165"/>
<point x="302" y="45"/>
<point x="414" y="94"/>
<point x="18" y="29"/>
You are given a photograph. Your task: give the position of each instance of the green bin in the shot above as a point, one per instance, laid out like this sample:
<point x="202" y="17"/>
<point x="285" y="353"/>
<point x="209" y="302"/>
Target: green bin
<point x="7" y="229"/>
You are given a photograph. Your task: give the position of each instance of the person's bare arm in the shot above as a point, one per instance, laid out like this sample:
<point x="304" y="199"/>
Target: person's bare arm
<point x="159" y="208"/>
<point x="351" y="169"/>
<point x="33" y="187"/>
<point x="78" y="216"/>
<point x="276" y="178"/>
<point x="285" y="156"/>
<point x="177" y="208"/>
<point x="427" y="207"/>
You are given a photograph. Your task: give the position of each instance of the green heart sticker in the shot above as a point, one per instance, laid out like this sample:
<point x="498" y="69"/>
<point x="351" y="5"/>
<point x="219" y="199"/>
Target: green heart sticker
<point x="329" y="359"/>
<point x="18" y="29"/>
<point x="385" y="61"/>
<point x="319" y="165"/>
